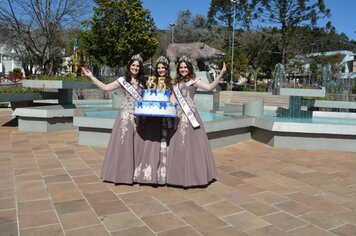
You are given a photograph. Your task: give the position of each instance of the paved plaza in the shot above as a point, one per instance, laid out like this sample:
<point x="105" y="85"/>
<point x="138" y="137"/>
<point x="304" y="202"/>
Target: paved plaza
<point x="49" y="185"/>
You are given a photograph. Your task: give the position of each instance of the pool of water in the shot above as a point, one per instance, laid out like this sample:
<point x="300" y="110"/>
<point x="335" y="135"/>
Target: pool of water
<point x="109" y="105"/>
<point x="112" y="114"/>
<point x="106" y="111"/>
<point x="205" y="116"/>
<point x="314" y="120"/>
<point x="208" y="116"/>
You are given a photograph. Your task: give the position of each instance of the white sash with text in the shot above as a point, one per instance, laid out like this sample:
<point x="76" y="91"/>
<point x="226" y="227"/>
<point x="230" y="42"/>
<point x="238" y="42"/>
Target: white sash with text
<point x="129" y="88"/>
<point x="185" y="107"/>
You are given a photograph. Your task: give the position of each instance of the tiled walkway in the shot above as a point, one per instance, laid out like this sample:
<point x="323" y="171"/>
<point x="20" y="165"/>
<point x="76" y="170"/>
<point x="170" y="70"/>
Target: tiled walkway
<point x="49" y="185"/>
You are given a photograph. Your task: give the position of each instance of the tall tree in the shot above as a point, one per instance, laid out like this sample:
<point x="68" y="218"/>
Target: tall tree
<point x="289" y="14"/>
<point x="189" y="28"/>
<point x="229" y="14"/>
<point x="37" y="25"/>
<point x="262" y="49"/>
<point x="222" y="12"/>
<point x="118" y="30"/>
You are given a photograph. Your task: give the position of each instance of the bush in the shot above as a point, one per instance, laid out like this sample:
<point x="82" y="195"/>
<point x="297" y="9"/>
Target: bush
<point x="261" y="89"/>
<point x="4" y="105"/>
<point x="66" y="78"/>
<point x="17" y="89"/>
<point x="353" y="89"/>
<point x="16" y="70"/>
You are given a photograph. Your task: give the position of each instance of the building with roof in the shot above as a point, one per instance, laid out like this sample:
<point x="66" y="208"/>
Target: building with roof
<point x="8" y="60"/>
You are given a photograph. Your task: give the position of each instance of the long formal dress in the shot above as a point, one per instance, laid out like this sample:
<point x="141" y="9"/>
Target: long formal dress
<point x="151" y="157"/>
<point x="190" y="157"/>
<point x="119" y="163"/>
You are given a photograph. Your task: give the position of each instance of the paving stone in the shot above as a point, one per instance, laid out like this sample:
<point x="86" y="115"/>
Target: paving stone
<point x="53" y="230"/>
<point x="186" y="230"/>
<point x="309" y="230"/>
<point x="284" y="221"/>
<point x="142" y="231"/>
<point x="223" y="208"/>
<point x="163" y="222"/>
<point x="78" y="219"/>
<point x="323" y="219"/>
<point x="345" y="230"/>
<point x="293" y="207"/>
<point x="35" y="219"/>
<point x="258" y="208"/>
<point x="245" y="221"/>
<point x="121" y="221"/>
<point x="95" y="230"/>
<point x="71" y="206"/>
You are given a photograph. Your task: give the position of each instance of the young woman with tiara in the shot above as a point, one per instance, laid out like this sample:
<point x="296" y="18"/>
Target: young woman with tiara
<point x="190" y="158"/>
<point x="119" y="163"/>
<point x="152" y="151"/>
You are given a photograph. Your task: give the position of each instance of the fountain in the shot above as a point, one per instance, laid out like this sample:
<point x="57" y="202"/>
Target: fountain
<point x="296" y="127"/>
<point x="280" y="86"/>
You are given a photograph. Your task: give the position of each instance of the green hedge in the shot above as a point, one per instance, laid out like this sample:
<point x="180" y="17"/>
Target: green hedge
<point x="64" y="78"/>
<point x="16" y="89"/>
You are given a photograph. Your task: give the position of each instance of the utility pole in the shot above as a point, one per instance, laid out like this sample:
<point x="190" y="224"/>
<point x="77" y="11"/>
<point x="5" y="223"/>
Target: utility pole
<point x="172" y="31"/>
<point x="234" y="2"/>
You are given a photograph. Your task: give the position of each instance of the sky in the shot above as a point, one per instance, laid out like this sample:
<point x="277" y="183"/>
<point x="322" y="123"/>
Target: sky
<point x="343" y="13"/>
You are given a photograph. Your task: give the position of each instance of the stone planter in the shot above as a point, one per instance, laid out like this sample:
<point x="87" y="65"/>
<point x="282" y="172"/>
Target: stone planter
<point x="57" y="84"/>
<point x="18" y="97"/>
<point x="65" y="87"/>
<point x="299" y="92"/>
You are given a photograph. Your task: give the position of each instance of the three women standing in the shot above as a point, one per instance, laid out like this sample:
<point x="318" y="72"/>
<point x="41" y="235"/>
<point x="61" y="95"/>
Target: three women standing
<point x="155" y="150"/>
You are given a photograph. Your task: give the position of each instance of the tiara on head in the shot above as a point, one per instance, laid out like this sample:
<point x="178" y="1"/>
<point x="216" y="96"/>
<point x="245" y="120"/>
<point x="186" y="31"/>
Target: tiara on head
<point x="162" y="59"/>
<point x="185" y="58"/>
<point x="137" y="57"/>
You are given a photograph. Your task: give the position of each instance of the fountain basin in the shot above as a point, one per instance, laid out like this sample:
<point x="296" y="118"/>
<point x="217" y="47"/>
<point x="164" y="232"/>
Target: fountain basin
<point x="221" y="130"/>
<point x="224" y="130"/>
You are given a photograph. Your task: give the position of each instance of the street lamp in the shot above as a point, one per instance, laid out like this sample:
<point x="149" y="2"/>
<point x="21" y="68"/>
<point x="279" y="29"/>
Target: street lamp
<point x="172" y="30"/>
<point x="234" y="2"/>
<point x="70" y="65"/>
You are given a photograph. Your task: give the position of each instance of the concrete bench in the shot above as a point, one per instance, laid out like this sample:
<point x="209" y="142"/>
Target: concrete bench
<point x="45" y="118"/>
<point x="240" y="98"/>
<point x="334" y="104"/>
<point x="52" y="117"/>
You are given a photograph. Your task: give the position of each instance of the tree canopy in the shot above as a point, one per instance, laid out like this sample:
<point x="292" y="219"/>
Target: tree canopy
<point x="289" y="14"/>
<point x="33" y="28"/>
<point x="222" y="12"/>
<point x="118" y="30"/>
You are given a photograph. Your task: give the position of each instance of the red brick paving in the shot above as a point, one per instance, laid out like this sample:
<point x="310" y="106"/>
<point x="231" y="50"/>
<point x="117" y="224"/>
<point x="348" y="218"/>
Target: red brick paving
<point x="49" y="185"/>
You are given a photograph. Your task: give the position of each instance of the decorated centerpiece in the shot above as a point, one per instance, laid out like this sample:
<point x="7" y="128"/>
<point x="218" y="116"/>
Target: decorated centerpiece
<point x="155" y="100"/>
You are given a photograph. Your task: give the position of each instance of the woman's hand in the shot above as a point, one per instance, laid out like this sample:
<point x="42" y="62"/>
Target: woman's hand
<point x="222" y="71"/>
<point x="87" y="72"/>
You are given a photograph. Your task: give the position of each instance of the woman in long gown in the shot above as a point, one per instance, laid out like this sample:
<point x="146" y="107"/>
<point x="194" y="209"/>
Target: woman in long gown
<point x="119" y="162"/>
<point x="152" y="151"/>
<point x="190" y="157"/>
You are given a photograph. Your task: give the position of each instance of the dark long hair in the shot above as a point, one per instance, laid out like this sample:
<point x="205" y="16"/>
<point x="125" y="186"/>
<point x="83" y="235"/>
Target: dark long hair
<point x="168" y="78"/>
<point x="141" y="75"/>
<point x="191" y="73"/>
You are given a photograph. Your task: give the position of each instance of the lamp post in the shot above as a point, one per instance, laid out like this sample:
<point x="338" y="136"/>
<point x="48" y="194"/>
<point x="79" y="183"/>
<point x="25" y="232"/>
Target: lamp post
<point x="172" y="31"/>
<point x="70" y="65"/>
<point x="233" y="42"/>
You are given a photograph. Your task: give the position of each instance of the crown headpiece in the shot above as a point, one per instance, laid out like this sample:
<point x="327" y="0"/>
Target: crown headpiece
<point x="137" y="57"/>
<point x="184" y="58"/>
<point x="162" y="59"/>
